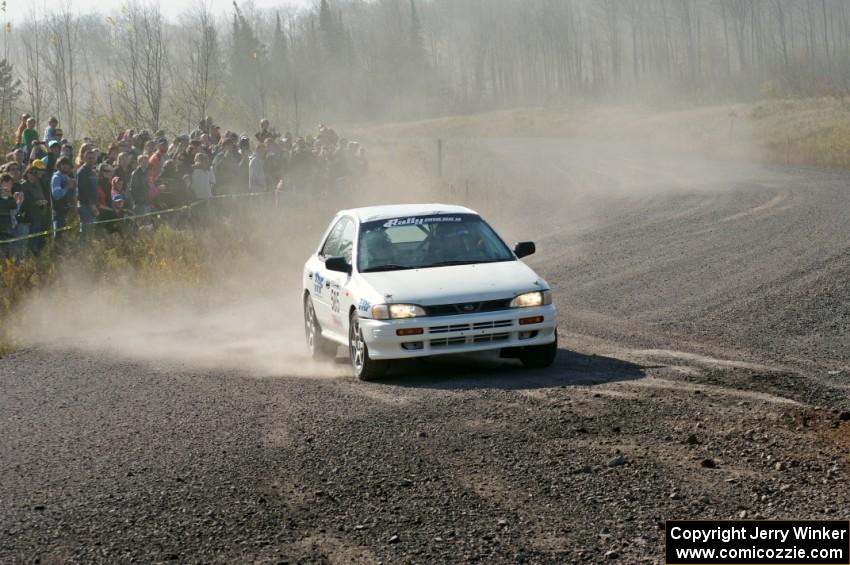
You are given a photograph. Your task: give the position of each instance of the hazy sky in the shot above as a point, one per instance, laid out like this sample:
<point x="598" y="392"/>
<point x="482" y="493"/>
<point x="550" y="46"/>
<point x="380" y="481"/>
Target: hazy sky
<point x="170" y="8"/>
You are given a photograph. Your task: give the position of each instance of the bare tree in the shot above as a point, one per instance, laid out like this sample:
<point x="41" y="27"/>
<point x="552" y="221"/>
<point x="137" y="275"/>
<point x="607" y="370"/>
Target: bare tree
<point x="34" y="77"/>
<point x="141" y="69"/>
<point x="61" y="61"/>
<point x="204" y="79"/>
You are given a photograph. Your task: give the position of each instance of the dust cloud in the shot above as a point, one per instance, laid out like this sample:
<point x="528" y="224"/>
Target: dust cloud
<point x="246" y="314"/>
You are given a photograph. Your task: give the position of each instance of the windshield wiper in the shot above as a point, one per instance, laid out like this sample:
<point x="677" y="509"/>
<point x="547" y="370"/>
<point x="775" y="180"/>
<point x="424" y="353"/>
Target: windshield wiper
<point x="387" y="267"/>
<point x="464" y="262"/>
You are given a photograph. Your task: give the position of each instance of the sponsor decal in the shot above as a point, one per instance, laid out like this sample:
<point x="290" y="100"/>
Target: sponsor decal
<point x="335" y="304"/>
<point x="364" y="305"/>
<point x="318" y="283"/>
<point x="419" y="220"/>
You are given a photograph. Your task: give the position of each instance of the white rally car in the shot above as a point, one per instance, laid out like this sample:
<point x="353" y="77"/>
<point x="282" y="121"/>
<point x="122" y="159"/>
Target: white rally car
<point x="394" y="282"/>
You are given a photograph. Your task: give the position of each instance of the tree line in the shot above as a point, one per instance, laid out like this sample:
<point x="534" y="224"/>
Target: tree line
<point x="407" y="59"/>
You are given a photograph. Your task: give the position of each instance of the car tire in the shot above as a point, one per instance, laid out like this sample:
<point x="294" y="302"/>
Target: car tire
<point x="365" y="368"/>
<point x="318" y="346"/>
<point x="539" y="356"/>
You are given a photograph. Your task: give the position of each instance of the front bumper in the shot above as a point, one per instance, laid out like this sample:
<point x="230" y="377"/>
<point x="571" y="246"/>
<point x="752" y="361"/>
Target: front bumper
<point x="459" y="334"/>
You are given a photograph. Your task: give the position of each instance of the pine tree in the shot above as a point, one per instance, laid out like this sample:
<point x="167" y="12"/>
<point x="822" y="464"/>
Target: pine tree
<point x="247" y="62"/>
<point x="280" y="53"/>
<point x="330" y="30"/>
<point x="10" y="90"/>
<point x="416" y="55"/>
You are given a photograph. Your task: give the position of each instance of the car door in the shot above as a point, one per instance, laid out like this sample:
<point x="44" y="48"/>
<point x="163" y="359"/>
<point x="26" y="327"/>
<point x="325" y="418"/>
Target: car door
<point x="338" y="295"/>
<point x="321" y="290"/>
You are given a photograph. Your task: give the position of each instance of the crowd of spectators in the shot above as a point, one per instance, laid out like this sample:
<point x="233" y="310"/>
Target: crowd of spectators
<point x="45" y="181"/>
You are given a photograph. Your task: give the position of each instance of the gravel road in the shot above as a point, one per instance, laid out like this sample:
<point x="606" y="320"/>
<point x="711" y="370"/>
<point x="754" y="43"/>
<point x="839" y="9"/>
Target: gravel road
<point x="702" y="374"/>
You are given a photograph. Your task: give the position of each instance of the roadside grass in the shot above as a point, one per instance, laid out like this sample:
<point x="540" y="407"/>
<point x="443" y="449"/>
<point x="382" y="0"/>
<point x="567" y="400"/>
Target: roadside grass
<point x="810" y="131"/>
<point x="147" y="261"/>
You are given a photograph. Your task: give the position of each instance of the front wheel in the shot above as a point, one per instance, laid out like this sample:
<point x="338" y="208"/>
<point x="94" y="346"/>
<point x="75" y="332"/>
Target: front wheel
<point x="364" y="367"/>
<point x="539" y="356"/>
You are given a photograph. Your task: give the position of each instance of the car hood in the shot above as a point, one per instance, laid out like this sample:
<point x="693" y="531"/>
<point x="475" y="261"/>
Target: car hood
<point x="456" y="283"/>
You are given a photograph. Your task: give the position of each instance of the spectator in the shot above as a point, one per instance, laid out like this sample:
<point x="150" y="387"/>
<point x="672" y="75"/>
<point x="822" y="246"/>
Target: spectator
<point x="29" y="135"/>
<point x="15" y="169"/>
<point x="67" y="150"/>
<point x="121" y="169"/>
<point x="124" y="146"/>
<point x="139" y="186"/>
<point x="105" y="174"/>
<point x="10" y="201"/>
<point x="265" y="132"/>
<point x="173" y="186"/>
<point x="182" y="165"/>
<point x="274" y="163"/>
<point x="87" y="192"/>
<point x="34" y="213"/>
<point x="50" y="133"/>
<point x="84" y="149"/>
<point x="226" y="167"/>
<point x="203" y="179"/>
<point x="300" y="166"/>
<point x="36" y="151"/>
<point x="19" y="133"/>
<point x="158" y="158"/>
<point x="63" y="189"/>
<point x="149" y="148"/>
<point x="111" y="155"/>
<point x="49" y="160"/>
<point x="244" y="160"/>
<point x="119" y="210"/>
<point x="257" y="170"/>
<point x="18" y="158"/>
<point x="215" y="134"/>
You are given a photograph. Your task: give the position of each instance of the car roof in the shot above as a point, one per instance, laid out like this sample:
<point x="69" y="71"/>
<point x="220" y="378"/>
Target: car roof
<point x="373" y="213"/>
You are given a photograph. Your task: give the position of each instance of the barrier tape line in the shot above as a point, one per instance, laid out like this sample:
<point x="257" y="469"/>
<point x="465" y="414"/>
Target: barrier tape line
<point x="133" y="217"/>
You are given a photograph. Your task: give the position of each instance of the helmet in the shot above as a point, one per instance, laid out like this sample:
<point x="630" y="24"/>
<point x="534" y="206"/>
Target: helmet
<point x="376" y="248"/>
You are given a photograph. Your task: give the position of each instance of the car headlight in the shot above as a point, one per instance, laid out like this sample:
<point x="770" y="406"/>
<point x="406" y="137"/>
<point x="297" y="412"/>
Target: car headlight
<point x="532" y="299"/>
<point x="396" y="311"/>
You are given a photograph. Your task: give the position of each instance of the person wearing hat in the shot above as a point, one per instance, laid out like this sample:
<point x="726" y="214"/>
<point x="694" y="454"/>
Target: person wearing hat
<point x="34" y="213"/>
<point x="120" y="209"/>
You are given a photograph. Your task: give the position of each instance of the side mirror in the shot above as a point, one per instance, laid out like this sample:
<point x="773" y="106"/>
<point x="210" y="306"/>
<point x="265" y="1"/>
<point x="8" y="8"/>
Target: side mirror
<point x="338" y="264"/>
<point x="524" y="249"/>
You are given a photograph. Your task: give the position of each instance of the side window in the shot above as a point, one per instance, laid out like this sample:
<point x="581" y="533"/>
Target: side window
<point x="331" y="246"/>
<point x="346" y="242"/>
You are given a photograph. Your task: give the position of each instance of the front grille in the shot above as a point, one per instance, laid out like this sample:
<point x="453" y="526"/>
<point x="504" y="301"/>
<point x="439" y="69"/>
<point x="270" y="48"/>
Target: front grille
<point x="454" y="341"/>
<point x="468" y="307"/>
<point x="466" y="327"/>
<point x="490" y="338"/>
<point x="494" y="324"/>
<point x="446" y="342"/>
<point x="447" y="329"/>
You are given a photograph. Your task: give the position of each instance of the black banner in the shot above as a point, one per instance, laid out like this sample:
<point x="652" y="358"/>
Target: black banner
<point x="757" y="542"/>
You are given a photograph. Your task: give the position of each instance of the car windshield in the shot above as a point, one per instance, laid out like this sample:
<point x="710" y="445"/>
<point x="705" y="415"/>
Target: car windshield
<point x="421" y="242"/>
